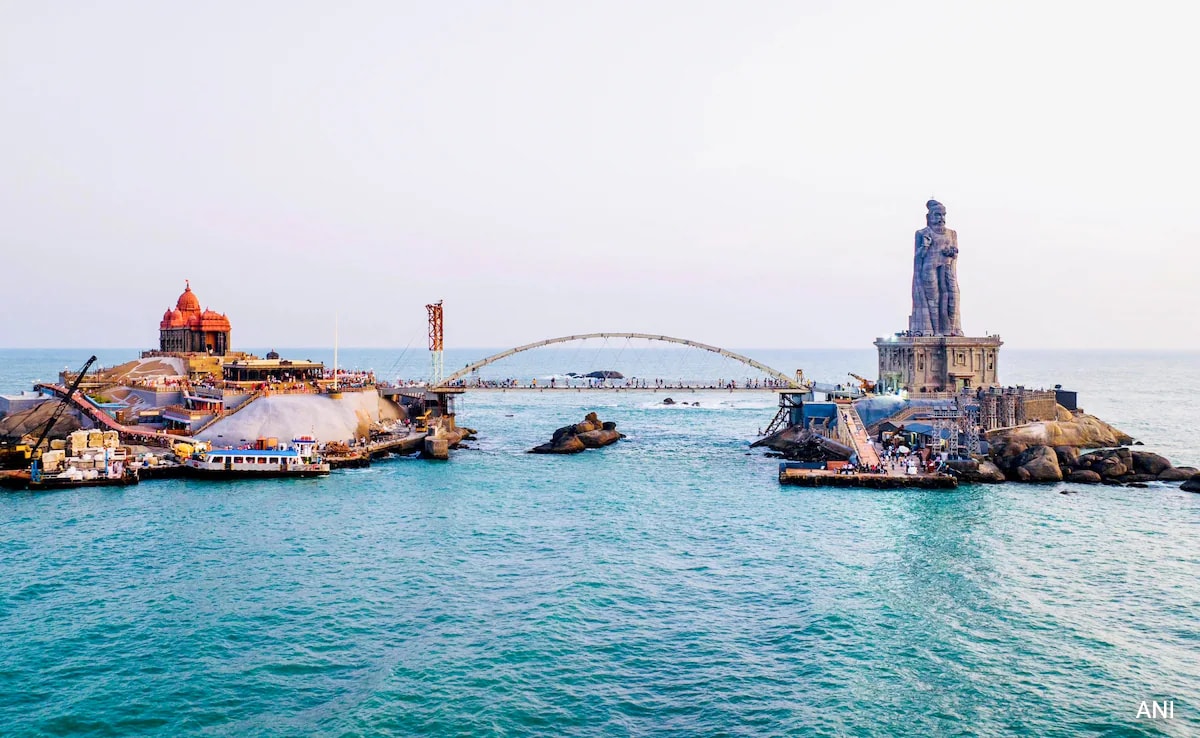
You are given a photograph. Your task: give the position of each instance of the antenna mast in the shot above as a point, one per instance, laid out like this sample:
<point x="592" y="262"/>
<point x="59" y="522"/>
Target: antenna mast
<point x="437" y="368"/>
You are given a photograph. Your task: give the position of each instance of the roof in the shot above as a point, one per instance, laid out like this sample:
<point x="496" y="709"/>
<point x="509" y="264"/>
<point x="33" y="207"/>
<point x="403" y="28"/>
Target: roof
<point x="271" y="364"/>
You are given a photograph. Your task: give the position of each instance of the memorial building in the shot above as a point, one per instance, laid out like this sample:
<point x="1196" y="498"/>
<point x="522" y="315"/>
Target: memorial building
<point x="933" y="355"/>
<point x="187" y="329"/>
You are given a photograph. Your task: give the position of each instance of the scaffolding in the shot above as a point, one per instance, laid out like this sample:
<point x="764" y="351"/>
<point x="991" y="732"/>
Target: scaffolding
<point x="958" y="425"/>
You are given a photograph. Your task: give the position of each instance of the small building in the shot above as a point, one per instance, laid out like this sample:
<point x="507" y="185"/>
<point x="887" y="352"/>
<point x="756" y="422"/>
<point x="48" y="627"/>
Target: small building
<point x="1066" y="398"/>
<point x="188" y="329"/>
<point x="10" y="404"/>
<point x="272" y="371"/>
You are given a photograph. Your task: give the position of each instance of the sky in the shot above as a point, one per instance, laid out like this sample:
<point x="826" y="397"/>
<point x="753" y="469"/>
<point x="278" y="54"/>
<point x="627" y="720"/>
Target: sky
<point x="746" y="174"/>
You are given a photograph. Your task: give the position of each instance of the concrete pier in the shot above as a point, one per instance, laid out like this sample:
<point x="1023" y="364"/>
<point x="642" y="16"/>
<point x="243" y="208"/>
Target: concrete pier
<point x="799" y="477"/>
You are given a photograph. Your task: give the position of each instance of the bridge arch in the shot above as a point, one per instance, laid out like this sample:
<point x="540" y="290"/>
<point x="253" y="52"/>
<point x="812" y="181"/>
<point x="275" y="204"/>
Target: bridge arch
<point x="784" y="378"/>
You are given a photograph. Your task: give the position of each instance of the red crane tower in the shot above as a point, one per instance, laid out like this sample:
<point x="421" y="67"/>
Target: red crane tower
<point x="437" y="369"/>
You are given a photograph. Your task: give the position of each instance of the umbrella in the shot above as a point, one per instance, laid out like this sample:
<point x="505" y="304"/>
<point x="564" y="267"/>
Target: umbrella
<point x="904" y="450"/>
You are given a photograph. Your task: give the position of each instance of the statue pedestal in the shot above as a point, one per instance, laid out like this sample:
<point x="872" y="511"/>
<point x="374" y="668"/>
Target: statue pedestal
<point x="923" y="364"/>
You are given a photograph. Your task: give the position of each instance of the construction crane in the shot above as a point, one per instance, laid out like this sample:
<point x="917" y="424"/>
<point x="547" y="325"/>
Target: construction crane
<point x="866" y="385"/>
<point x="58" y="411"/>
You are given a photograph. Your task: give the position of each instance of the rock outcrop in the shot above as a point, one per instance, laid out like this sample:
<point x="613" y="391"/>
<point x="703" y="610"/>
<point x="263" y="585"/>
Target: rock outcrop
<point x="799" y="444"/>
<point x="572" y="439"/>
<point x="1040" y="463"/>
<point x="1191" y="485"/>
<point x="1080" y="431"/>
<point x="974" y="471"/>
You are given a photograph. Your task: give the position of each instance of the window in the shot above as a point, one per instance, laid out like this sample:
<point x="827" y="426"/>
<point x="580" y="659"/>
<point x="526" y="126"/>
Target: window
<point x="262" y="459"/>
<point x="238" y="459"/>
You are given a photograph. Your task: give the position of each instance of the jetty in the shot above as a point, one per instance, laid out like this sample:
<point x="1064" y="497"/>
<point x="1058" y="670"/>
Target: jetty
<point x="799" y="474"/>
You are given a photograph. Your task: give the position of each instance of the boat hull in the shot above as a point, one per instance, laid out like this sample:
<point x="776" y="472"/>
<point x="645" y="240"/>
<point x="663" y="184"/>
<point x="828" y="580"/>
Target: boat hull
<point x="194" y="472"/>
<point x="66" y="483"/>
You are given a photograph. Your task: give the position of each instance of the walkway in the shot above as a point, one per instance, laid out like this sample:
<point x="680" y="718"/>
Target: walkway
<point x="856" y="432"/>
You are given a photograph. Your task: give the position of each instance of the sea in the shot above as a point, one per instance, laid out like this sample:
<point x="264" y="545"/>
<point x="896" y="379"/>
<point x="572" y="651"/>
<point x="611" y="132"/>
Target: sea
<point x="663" y="586"/>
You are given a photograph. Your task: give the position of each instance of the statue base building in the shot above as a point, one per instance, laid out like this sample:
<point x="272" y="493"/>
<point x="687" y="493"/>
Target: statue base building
<point x="923" y="364"/>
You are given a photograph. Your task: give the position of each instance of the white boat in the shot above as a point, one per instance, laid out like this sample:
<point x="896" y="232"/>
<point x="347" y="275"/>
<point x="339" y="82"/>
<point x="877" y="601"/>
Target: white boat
<point x="300" y="459"/>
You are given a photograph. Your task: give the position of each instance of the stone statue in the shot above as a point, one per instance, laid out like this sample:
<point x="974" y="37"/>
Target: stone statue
<point x="935" y="277"/>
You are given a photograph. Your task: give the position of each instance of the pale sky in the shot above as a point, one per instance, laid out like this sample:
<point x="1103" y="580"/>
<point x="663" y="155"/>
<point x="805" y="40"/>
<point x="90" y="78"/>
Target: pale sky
<point x="747" y="174"/>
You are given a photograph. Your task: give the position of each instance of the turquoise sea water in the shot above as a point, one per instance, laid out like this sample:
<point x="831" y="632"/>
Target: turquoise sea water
<point x="663" y="586"/>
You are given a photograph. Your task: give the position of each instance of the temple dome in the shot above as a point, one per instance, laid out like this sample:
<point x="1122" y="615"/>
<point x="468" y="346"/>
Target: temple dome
<point x="188" y="302"/>
<point x="211" y="320"/>
<point x="172" y="319"/>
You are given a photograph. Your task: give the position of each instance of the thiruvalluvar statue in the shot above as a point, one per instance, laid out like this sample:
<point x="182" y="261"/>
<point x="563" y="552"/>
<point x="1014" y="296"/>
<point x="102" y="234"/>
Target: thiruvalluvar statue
<point x="935" y="277"/>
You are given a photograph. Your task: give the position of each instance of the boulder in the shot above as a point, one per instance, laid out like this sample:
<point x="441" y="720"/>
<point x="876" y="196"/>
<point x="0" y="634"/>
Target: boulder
<point x="1145" y="462"/>
<point x="1174" y="475"/>
<point x="599" y="438"/>
<point x="1013" y="448"/>
<point x="1108" y="463"/>
<point x="568" y="445"/>
<point x="668" y="401"/>
<point x="972" y="471"/>
<point x="1040" y="463"/>
<point x="1110" y="468"/>
<point x="573" y="439"/>
<point x="1139" y="478"/>
<point x="989" y="472"/>
<point x="1191" y="485"/>
<point x="1067" y="455"/>
<point x="1083" y="476"/>
<point x="1081" y="431"/>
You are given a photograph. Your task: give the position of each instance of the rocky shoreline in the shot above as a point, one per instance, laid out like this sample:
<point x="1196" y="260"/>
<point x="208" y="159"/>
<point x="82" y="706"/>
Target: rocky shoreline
<point x="1017" y="462"/>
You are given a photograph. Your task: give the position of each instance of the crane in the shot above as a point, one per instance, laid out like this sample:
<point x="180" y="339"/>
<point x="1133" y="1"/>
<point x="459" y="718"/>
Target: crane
<point x="864" y="384"/>
<point x="58" y="411"/>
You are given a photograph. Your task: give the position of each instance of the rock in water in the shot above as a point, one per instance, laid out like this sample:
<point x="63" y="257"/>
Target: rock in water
<point x="1175" y="475"/>
<point x="599" y="438"/>
<point x="572" y="439"/>
<point x="1191" y="485"/>
<point x="567" y="445"/>
<point x="975" y="472"/>
<point x="1040" y="464"/>
<point x="1145" y="462"/>
<point x="1083" y="476"/>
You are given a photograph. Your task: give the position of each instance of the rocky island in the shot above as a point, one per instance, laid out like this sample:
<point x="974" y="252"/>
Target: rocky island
<point x="574" y="439"/>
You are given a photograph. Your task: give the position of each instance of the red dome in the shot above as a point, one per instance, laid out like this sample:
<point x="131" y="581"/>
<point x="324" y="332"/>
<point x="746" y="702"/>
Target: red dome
<point x="172" y="319"/>
<point x="188" y="302"/>
<point x="211" y="320"/>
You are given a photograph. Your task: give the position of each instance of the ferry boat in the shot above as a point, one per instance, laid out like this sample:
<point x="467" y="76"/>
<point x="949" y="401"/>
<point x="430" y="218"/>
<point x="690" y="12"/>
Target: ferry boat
<point x="300" y="459"/>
